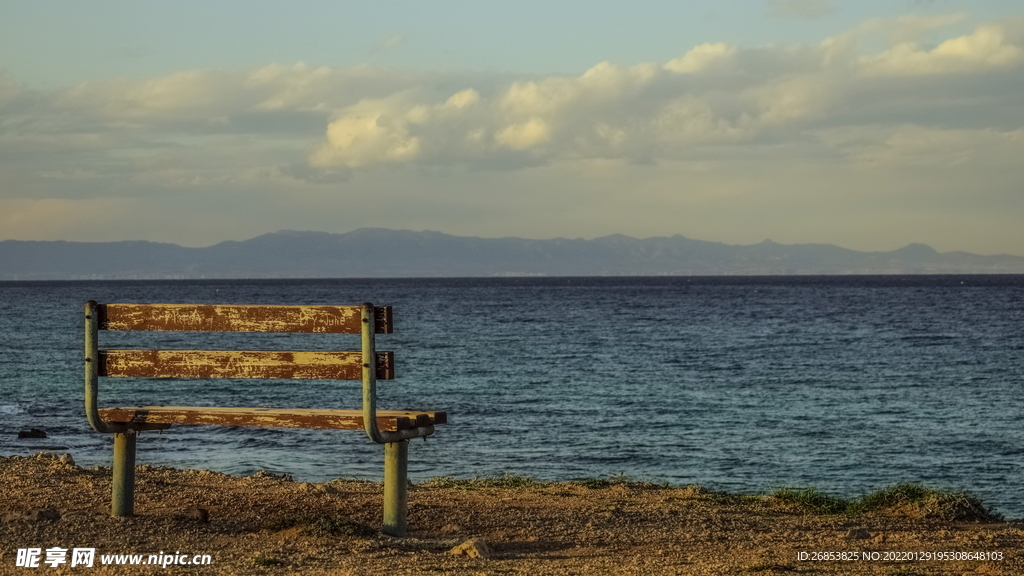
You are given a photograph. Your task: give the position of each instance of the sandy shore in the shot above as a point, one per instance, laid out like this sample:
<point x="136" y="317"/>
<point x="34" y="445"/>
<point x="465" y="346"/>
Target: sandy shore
<point x="270" y="525"/>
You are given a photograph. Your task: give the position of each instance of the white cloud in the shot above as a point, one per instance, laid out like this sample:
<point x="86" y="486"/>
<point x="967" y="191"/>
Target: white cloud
<point x="546" y="97"/>
<point x="702" y="57"/>
<point x="203" y="127"/>
<point x="290" y="88"/>
<point x="524" y="135"/>
<point x="790" y="100"/>
<point x="690" y="120"/>
<point x="714" y="94"/>
<point x="218" y="95"/>
<point x="463" y="99"/>
<point x="910" y="28"/>
<point x="354" y="141"/>
<point x="986" y="48"/>
<point x="183" y="94"/>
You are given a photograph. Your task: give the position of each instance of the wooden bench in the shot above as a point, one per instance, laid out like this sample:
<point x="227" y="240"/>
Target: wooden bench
<point x="389" y="427"/>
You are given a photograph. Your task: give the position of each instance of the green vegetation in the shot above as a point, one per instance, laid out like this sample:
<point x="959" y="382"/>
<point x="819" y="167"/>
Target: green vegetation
<point x="811" y="498"/>
<point x="907" y="498"/>
<point x="477" y="482"/>
<point x="619" y="479"/>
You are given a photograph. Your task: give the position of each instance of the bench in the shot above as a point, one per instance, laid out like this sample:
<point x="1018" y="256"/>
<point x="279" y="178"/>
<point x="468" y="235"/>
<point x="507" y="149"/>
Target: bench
<point x="392" y="428"/>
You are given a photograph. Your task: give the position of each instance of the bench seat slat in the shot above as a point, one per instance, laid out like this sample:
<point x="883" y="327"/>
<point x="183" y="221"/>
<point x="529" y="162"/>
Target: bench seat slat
<point x="240" y="364"/>
<point x="270" y="417"/>
<point x="235" y="318"/>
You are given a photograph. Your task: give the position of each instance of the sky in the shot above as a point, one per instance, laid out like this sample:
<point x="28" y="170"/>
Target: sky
<point x="868" y="124"/>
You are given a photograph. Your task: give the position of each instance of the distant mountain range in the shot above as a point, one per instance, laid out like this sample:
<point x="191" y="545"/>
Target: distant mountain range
<point x="377" y="252"/>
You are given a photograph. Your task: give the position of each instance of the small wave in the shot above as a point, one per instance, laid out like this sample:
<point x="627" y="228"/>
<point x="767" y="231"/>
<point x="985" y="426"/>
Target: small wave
<point x="11" y="409"/>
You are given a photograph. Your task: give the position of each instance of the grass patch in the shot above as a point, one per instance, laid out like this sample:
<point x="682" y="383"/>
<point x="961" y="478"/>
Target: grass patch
<point x="921" y="502"/>
<point x="268" y="475"/>
<point x="478" y="482"/>
<point x="905" y="499"/>
<point x="619" y="479"/>
<point x="811" y="498"/>
<point x="607" y="481"/>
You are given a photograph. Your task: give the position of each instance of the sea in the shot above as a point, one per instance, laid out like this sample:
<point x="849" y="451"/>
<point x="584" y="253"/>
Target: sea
<point x="846" y="384"/>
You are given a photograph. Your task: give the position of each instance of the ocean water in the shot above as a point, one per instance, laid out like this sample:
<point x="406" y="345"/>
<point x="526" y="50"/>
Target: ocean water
<point x="746" y="384"/>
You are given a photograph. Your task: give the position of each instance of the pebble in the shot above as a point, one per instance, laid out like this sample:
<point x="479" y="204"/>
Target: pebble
<point x="474" y="548"/>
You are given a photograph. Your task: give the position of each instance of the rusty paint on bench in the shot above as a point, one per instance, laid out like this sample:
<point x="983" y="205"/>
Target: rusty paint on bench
<point x="241" y="364"/>
<point x="228" y="318"/>
<point x="271" y="417"/>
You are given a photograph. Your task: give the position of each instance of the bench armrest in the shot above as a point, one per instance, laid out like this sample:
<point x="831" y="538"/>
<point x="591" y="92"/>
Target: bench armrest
<point x="92" y="367"/>
<point x="370" y="388"/>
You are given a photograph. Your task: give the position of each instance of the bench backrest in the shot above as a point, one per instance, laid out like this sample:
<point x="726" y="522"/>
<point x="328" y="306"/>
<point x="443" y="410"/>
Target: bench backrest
<point x="240" y="364"/>
<point x="234" y="363"/>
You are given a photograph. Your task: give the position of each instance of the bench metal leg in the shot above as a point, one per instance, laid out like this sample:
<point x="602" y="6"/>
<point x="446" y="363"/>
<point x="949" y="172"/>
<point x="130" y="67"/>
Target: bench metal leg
<point x="123" y="486"/>
<point x="396" y="490"/>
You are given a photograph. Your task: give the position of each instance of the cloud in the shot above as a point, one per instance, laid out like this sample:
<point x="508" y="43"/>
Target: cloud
<point x="908" y="28"/>
<point x="183" y="94"/>
<point x="800" y="8"/>
<point x="463" y="99"/>
<point x="703" y="57"/>
<point x="524" y="135"/>
<point x="713" y="95"/>
<point x="195" y="127"/>
<point x="357" y="140"/>
<point x="986" y="48"/>
<point x="212" y="96"/>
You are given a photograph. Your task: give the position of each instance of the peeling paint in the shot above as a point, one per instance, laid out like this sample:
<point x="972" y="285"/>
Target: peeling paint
<point x="241" y="364"/>
<point x="390" y="420"/>
<point x="225" y="318"/>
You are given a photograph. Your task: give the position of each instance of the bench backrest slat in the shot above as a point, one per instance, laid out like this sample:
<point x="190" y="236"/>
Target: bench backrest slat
<point x="230" y="318"/>
<point x="240" y="364"/>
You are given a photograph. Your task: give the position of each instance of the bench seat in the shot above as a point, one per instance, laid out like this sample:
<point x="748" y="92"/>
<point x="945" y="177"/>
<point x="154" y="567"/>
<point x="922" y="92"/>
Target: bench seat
<point x="388" y="420"/>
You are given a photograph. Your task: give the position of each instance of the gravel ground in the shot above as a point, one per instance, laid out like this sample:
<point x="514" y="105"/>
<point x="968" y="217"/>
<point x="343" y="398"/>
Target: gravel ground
<point x="265" y="524"/>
